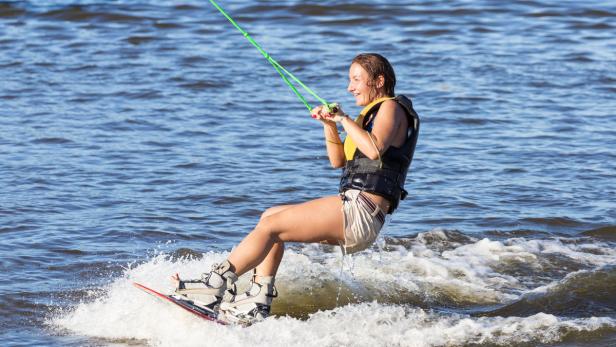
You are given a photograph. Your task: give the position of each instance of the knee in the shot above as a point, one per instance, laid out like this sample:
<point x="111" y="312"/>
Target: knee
<point x="267" y="226"/>
<point x="264" y="224"/>
<point x="268" y="212"/>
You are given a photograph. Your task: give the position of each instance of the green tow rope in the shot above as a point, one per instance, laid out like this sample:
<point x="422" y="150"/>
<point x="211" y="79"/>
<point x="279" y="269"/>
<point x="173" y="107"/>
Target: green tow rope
<point x="279" y="68"/>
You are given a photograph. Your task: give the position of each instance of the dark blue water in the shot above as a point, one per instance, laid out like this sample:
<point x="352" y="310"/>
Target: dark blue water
<point x="142" y="138"/>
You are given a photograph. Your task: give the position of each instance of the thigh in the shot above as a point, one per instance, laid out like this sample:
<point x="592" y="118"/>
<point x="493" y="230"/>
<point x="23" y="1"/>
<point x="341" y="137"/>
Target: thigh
<point x="312" y="221"/>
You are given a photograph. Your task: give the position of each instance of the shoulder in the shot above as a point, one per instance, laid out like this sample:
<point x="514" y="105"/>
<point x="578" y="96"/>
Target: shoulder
<point x="389" y="104"/>
<point x="391" y="109"/>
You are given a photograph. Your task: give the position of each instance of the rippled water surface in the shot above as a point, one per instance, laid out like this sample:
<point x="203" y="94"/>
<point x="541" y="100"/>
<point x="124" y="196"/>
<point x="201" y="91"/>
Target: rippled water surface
<point x="141" y="138"/>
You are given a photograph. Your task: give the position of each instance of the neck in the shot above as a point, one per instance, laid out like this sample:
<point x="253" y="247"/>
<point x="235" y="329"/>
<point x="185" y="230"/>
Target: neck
<point x="379" y="94"/>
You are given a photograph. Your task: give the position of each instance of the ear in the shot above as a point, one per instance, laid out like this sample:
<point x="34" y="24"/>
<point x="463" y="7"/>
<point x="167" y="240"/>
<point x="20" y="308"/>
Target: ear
<point x="380" y="81"/>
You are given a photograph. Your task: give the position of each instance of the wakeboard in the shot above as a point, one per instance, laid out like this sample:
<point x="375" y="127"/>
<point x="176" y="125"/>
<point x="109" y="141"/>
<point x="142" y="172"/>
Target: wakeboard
<point x="188" y="305"/>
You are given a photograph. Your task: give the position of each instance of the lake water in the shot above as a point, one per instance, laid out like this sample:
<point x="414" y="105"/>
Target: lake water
<point x="143" y="138"/>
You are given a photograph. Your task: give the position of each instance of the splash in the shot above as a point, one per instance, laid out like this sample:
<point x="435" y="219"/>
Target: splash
<point x="406" y="294"/>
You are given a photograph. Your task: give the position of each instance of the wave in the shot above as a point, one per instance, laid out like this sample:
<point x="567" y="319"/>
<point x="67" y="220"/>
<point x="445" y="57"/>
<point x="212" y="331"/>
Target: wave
<point x="435" y="288"/>
<point x="579" y="294"/>
<point x="438" y="269"/>
<point x="126" y="314"/>
<point x="81" y="13"/>
<point x="51" y="141"/>
<point x="8" y="10"/>
<point x="554" y="221"/>
<point x="605" y="233"/>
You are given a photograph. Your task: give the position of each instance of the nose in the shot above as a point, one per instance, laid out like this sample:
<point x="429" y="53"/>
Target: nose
<point x="350" y="88"/>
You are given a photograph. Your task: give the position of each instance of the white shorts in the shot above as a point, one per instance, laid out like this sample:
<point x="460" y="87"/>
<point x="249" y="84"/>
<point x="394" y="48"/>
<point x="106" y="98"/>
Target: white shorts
<point x="362" y="221"/>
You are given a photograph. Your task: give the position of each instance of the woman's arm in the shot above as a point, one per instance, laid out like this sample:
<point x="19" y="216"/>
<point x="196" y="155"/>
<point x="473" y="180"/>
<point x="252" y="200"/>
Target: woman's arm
<point x="335" y="149"/>
<point x="388" y="121"/>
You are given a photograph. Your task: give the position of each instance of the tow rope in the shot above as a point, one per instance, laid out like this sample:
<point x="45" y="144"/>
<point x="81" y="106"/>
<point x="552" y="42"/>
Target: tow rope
<point x="332" y="107"/>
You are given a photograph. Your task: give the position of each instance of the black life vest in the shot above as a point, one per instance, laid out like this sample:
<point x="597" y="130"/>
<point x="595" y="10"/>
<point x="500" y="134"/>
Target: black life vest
<point x="384" y="177"/>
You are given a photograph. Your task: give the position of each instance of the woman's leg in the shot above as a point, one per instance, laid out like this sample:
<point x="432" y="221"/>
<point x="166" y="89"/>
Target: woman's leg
<point x="312" y="221"/>
<point x="269" y="265"/>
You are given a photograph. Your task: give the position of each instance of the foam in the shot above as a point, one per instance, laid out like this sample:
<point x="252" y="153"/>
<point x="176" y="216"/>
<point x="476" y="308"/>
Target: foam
<point x="364" y="324"/>
<point x="381" y="295"/>
<point x="592" y="253"/>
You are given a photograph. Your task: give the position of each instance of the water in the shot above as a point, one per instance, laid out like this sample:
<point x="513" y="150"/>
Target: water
<point x="138" y="139"/>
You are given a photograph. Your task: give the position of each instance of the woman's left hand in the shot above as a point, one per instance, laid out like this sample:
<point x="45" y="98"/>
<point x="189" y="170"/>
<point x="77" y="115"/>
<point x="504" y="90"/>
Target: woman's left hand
<point x="333" y="113"/>
<point x="336" y="113"/>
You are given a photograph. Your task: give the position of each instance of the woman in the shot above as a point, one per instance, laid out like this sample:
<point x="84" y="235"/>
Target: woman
<point x="376" y="155"/>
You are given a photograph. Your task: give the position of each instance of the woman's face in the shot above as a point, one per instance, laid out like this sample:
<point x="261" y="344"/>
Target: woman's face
<point x="360" y="86"/>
